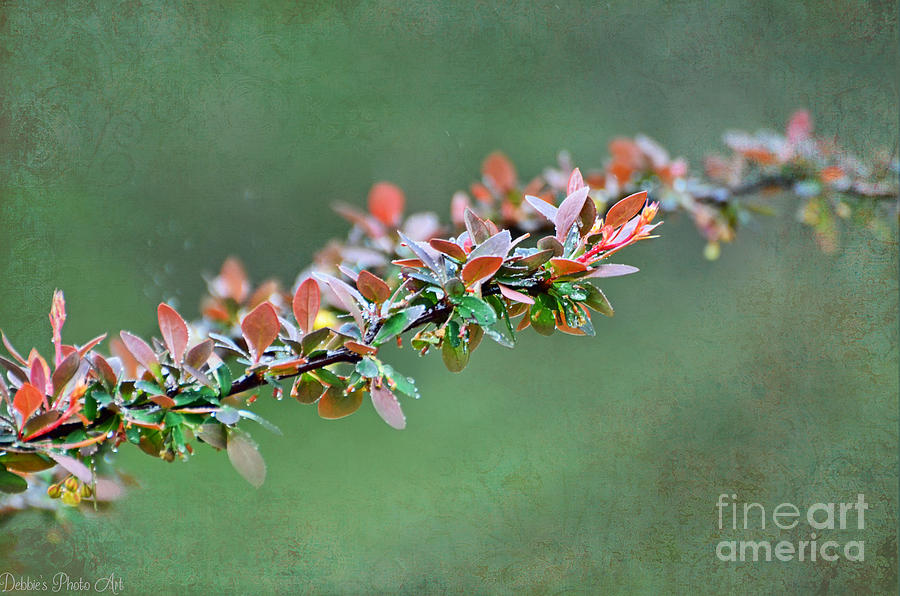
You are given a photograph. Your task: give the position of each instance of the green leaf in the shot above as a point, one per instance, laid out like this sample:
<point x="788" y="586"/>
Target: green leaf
<point x="502" y="331"/>
<point x="397" y="322"/>
<point x="307" y="389"/>
<point x="402" y="384"/>
<point x="597" y="300"/>
<point x="312" y="340"/>
<point x="260" y="420"/>
<point x="542" y="317"/>
<point x="26" y="462"/>
<point x="455" y="357"/>
<point x="149" y="388"/>
<point x="471" y="307"/>
<point x="223" y="378"/>
<point x="11" y="483"/>
<point x="368" y="368"/>
<point x="90" y="406"/>
<point x="326" y="377"/>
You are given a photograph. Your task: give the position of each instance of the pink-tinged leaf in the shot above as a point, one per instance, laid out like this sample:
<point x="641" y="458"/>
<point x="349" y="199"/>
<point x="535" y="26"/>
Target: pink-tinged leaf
<point x="372" y="287"/>
<point x="199" y="355"/>
<point x="499" y="172"/>
<point x="12" y="350"/>
<point x="233" y="282"/>
<point x="104" y="371"/>
<point x="107" y="490"/>
<point x="495" y="246"/>
<point x="568" y="212"/>
<point x="83" y="350"/>
<point x="514" y="295"/>
<point x="625" y="209"/>
<point x="141" y="352"/>
<point x="480" y="269"/>
<point x="459" y="204"/>
<point x="386" y="405"/>
<point x="174" y="331"/>
<point x="370" y="226"/>
<point x="423" y="252"/>
<point x="260" y="328"/>
<point x="543" y="207"/>
<point x="348" y="272"/>
<point x="57" y="319"/>
<point x="73" y="466"/>
<point x="451" y="249"/>
<point x="413" y="263"/>
<point x="27" y="400"/>
<point x="129" y="363"/>
<point x="348" y="296"/>
<point x="64" y="372"/>
<point x="306" y="304"/>
<point x="163" y="401"/>
<point x="386" y="203"/>
<point x="334" y="404"/>
<point x="422" y="227"/>
<point x="201" y="377"/>
<point x="477" y="227"/>
<point x="799" y="127"/>
<point x="245" y="457"/>
<point x="611" y="270"/>
<point x="264" y="292"/>
<point x="567" y="266"/>
<point x="576" y="181"/>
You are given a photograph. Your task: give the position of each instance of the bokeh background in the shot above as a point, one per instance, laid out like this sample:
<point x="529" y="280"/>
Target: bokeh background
<point x="143" y="142"/>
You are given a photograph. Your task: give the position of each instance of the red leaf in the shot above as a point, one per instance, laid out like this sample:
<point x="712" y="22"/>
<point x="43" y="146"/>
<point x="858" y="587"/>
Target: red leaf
<point x="515" y="296"/>
<point x="163" y="401"/>
<point x="451" y="249"/>
<point x="625" y="209"/>
<point x="197" y="356"/>
<point x="414" y="263"/>
<point x="372" y="287"/>
<point x="334" y="404"/>
<point x="89" y="345"/>
<point x="260" y="328"/>
<point x="567" y="266"/>
<point x="174" y="331"/>
<point x="387" y="406"/>
<point x="142" y="352"/>
<point x="27" y="400"/>
<point x="386" y="203"/>
<point x="306" y="304"/>
<point x="480" y="268"/>
<point x="104" y="370"/>
<point x="359" y="348"/>
<point x="499" y="171"/>
<point x="39" y="373"/>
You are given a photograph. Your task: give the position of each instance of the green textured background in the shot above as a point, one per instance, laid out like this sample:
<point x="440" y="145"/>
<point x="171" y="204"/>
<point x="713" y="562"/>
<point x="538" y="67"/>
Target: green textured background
<point x="142" y="142"/>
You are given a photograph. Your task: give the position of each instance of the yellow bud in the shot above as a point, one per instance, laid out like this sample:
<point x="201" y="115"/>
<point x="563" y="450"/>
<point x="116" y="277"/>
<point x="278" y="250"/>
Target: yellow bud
<point x="325" y="318"/>
<point x="72" y="483"/>
<point x="712" y="251"/>
<point x="53" y="491"/>
<point x="86" y="491"/>
<point x="71" y="498"/>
